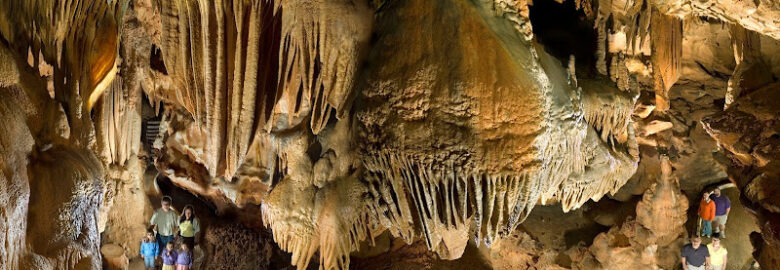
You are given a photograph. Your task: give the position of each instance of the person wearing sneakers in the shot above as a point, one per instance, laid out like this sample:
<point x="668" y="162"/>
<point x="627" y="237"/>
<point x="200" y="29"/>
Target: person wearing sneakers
<point x="722" y="209"/>
<point x="707" y="214"/>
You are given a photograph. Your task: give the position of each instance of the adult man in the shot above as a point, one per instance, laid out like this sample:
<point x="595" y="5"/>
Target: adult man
<point x="722" y="209"/>
<point x="718" y="254"/>
<point x="166" y="222"/>
<point x="695" y="256"/>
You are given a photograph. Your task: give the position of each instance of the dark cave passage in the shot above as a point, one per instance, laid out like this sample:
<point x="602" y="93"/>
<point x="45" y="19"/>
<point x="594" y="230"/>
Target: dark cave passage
<point x="564" y="31"/>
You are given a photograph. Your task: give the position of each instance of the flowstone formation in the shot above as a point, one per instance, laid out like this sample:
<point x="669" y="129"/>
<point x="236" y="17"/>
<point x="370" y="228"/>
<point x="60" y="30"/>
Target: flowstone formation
<point x="342" y="124"/>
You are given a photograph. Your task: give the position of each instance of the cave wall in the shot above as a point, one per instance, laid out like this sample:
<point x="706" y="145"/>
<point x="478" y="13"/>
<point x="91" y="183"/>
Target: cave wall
<point x="331" y="123"/>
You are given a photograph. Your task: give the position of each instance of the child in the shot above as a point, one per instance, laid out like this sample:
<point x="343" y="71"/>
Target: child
<point x="707" y="214"/>
<point x="184" y="260"/>
<point x="149" y="250"/>
<point x="169" y="257"/>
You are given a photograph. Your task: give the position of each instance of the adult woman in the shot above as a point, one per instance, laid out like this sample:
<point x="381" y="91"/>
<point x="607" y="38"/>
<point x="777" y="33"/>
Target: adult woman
<point x="718" y="254"/>
<point x="188" y="226"/>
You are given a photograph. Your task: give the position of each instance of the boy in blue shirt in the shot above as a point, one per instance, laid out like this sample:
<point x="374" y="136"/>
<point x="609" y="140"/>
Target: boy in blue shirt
<point x="149" y="250"/>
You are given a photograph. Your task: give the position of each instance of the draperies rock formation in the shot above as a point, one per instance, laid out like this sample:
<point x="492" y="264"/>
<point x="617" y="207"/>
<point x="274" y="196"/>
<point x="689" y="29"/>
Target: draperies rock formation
<point x="334" y="123"/>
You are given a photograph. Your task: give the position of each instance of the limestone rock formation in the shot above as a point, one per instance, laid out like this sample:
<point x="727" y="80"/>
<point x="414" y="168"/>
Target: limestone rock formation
<point x="426" y="128"/>
<point x="649" y="242"/>
<point x="748" y="133"/>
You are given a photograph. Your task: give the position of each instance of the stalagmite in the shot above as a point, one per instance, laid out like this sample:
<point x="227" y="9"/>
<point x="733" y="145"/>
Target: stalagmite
<point x="663" y="209"/>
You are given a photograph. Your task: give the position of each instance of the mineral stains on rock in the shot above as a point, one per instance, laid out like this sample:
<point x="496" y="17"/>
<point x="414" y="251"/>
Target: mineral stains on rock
<point x="353" y="128"/>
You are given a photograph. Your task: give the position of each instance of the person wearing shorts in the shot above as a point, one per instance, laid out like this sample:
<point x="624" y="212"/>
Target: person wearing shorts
<point x="722" y="209"/>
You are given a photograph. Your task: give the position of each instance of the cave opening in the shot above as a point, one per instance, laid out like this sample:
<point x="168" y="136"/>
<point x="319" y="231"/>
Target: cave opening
<point x="564" y="30"/>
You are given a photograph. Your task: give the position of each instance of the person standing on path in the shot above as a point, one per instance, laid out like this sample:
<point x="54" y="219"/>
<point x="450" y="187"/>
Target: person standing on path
<point x="695" y="256"/>
<point x="722" y="209"/>
<point x="718" y="254"/>
<point x="707" y="214"/>
<point x="189" y="226"/>
<point x="149" y="250"/>
<point x="184" y="259"/>
<point x="166" y="222"/>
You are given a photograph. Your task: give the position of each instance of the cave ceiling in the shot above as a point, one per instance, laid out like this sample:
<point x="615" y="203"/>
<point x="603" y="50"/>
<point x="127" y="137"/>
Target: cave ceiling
<point x="332" y="122"/>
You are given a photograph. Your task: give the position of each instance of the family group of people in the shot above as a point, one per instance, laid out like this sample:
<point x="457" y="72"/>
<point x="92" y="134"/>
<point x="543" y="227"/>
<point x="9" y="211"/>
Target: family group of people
<point x="171" y="228"/>
<point x="714" y="209"/>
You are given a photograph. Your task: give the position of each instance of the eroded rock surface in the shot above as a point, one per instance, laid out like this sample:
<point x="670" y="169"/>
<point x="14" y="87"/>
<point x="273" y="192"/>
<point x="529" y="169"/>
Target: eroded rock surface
<point x="431" y="129"/>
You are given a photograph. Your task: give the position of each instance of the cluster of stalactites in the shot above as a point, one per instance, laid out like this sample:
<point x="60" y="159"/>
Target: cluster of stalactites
<point x="415" y="199"/>
<point x="609" y="113"/>
<point x="321" y="42"/>
<point x="232" y="63"/>
<point x="79" y="38"/>
<point x="119" y="123"/>
<point x="445" y="201"/>
<point x="635" y="23"/>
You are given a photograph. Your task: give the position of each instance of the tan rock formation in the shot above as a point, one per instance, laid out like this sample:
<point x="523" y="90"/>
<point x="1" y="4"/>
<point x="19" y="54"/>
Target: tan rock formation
<point x="333" y="122"/>
<point x="652" y="241"/>
<point x="748" y="133"/>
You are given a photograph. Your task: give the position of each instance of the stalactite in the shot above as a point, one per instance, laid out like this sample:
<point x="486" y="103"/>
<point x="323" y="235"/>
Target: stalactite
<point x="747" y="55"/>
<point x="609" y="112"/>
<point x="451" y="197"/>
<point x="333" y="220"/>
<point x="343" y="222"/>
<point x="318" y="56"/>
<point x="119" y="123"/>
<point x="666" y="34"/>
<point x="292" y="221"/>
<point x="214" y="51"/>
<point x="232" y="61"/>
<point x="442" y="199"/>
<point x="81" y="40"/>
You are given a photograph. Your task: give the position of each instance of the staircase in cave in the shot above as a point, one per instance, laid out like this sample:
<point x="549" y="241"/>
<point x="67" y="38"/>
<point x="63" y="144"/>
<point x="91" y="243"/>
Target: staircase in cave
<point x="150" y="127"/>
<point x="150" y="130"/>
